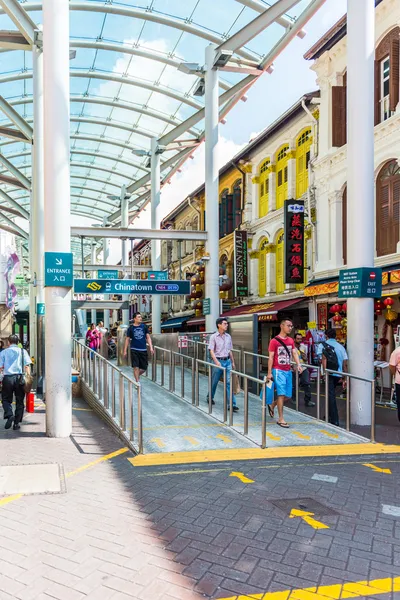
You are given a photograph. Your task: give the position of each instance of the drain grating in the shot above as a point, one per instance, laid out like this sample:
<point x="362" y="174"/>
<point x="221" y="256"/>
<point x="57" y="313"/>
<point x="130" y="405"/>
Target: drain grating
<point x="32" y="479"/>
<point x="306" y="504"/>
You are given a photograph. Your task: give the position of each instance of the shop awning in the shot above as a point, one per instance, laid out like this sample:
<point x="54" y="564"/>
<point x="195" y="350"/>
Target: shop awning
<point x="266" y="311"/>
<point x="196" y="321"/>
<point x="177" y="322"/>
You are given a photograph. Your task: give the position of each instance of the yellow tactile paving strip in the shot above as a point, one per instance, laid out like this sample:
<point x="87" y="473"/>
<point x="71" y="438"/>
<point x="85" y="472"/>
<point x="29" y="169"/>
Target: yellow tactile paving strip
<point x="359" y="589"/>
<point x="176" y="458"/>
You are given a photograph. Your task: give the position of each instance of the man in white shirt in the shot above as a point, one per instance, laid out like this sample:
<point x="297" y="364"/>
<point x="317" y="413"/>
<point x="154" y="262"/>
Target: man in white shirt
<point x="14" y="362"/>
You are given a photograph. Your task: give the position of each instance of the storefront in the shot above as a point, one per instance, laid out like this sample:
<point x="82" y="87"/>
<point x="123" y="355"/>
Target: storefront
<point x="178" y="324"/>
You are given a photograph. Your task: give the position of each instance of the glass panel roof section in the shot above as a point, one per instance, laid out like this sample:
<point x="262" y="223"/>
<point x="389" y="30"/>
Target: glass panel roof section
<point x="126" y="87"/>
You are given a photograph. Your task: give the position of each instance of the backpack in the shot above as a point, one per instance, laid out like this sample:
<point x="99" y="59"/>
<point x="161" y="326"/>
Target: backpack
<point x="332" y="362"/>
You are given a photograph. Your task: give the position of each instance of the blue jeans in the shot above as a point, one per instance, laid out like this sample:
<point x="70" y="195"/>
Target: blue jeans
<point x="215" y="376"/>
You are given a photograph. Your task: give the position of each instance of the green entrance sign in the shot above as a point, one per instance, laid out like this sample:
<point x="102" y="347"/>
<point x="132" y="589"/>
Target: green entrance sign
<point x="206" y="306"/>
<point x="58" y="269"/>
<point x="363" y="282"/>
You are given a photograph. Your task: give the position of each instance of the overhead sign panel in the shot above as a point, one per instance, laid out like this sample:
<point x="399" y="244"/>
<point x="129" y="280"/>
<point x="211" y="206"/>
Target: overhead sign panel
<point x="105" y="274"/>
<point x="363" y="282"/>
<point x="158" y="275"/>
<point x="241" y="264"/>
<point x="58" y="269"/>
<point x="142" y="287"/>
<point x="294" y="241"/>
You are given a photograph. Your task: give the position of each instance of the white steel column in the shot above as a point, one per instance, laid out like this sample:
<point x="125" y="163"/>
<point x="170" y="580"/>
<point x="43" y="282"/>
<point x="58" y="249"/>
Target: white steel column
<point x="360" y="185"/>
<point x="37" y="209"/>
<point x="124" y="243"/>
<point x="93" y="258"/>
<point x="211" y="186"/>
<point x="57" y="209"/>
<point x="155" y="224"/>
<point x="106" y="252"/>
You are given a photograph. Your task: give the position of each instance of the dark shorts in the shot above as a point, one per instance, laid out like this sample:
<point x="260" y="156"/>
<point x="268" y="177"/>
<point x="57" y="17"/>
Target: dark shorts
<point x="139" y="360"/>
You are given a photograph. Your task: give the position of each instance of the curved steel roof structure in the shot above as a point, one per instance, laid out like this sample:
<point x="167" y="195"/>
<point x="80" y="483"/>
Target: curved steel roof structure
<point x="127" y="87"/>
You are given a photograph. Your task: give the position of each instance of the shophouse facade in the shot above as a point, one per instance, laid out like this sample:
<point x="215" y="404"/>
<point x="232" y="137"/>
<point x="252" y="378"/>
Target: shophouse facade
<point x="329" y="170"/>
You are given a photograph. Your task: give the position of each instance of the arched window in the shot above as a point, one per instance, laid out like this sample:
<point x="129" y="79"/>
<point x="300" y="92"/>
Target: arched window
<point x="262" y="268"/>
<point x="264" y="188"/>
<point x="344" y="225"/>
<point x="280" y="285"/>
<point x="387" y="76"/>
<point x="387" y="209"/>
<point x="303" y="154"/>
<point x="282" y="176"/>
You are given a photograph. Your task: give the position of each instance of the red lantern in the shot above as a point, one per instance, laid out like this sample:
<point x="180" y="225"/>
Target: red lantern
<point x="344" y="308"/>
<point x="378" y="311"/>
<point x="388" y="302"/>
<point x="335" y="308"/>
<point x="337" y="319"/>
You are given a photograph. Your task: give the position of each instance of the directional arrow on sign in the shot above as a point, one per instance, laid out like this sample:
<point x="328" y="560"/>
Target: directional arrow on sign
<point x="378" y="469"/>
<point x="242" y="477"/>
<point x="307" y="518"/>
<point x="58" y="261"/>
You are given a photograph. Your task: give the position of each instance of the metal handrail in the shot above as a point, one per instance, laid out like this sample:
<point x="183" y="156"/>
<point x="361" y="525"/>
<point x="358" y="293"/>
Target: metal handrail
<point x="95" y="370"/>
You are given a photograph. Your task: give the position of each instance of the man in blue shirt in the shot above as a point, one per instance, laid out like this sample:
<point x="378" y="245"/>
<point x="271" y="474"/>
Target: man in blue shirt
<point x="138" y="336"/>
<point x="14" y="362"/>
<point x="342" y="358"/>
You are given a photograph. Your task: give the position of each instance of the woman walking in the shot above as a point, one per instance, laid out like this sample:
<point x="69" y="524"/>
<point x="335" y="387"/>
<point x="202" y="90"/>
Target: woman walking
<point x="93" y="337"/>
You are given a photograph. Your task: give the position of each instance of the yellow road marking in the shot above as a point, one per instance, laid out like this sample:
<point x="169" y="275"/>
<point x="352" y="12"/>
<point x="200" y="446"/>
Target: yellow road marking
<point x="191" y="440"/>
<point x="307" y="518"/>
<point x="359" y="589"/>
<point x="98" y="461"/>
<point x="84" y="409"/>
<point x="331" y="435"/>
<point x="241" y="476"/>
<point x="272" y="437"/>
<point x="224" y="438"/>
<point x="377" y="469"/>
<point x="301" y="435"/>
<point x="235" y="454"/>
<point x="158" y="442"/>
<point x="9" y="499"/>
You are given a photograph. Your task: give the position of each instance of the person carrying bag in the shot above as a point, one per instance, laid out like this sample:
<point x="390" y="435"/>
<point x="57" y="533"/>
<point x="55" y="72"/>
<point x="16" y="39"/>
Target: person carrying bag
<point x="15" y="365"/>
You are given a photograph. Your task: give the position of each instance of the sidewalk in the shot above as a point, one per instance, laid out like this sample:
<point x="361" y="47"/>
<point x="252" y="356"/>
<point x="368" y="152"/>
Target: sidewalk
<point x="94" y="542"/>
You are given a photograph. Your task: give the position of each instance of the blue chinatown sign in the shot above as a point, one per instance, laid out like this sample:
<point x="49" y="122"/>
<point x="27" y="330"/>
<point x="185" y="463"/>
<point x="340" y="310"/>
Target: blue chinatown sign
<point x="58" y="269"/>
<point x="142" y="287"/>
<point x="363" y="282"/>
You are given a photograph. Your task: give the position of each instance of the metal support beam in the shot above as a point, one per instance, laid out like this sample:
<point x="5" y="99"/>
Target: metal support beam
<point x="284" y="21"/>
<point x="13" y="134"/>
<point x="211" y="187"/>
<point x="13" y="40"/>
<point x="255" y="27"/>
<point x="16" y="118"/>
<point x="155" y="223"/>
<point x="12" y="181"/>
<point x="58" y="214"/>
<point x="127" y="269"/>
<point x="24" y="181"/>
<point x="124" y="242"/>
<point x="11" y="223"/>
<point x="138" y="234"/>
<point x="20" y="18"/>
<point x="10" y="230"/>
<point x="22" y="212"/>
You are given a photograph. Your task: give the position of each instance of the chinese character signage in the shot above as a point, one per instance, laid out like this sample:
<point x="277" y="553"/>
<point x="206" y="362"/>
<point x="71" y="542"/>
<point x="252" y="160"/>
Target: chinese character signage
<point x="363" y="282"/>
<point x="294" y="241"/>
<point x="241" y="264"/>
<point x="58" y="269"/>
<point x="206" y="306"/>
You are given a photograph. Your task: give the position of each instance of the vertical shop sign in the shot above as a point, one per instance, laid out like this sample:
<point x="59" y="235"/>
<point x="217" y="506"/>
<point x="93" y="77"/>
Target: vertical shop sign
<point x="241" y="264"/>
<point x="322" y="316"/>
<point x="294" y="241"/>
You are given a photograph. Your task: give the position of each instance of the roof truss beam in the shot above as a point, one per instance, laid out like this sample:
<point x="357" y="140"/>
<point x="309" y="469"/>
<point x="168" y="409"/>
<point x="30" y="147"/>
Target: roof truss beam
<point x="14" y="226"/>
<point x="283" y="20"/>
<point x="21" y="19"/>
<point x="21" y="211"/>
<point x="19" y="122"/>
<point x="24" y="181"/>
<point x="13" y="40"/>
<point x="132" y="234"/>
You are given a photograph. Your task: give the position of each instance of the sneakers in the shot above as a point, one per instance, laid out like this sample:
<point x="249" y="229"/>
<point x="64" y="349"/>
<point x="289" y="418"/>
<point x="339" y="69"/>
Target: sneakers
<point x="16" y="426"/>
<point x="9" y="422"/>
<point x="310" y="404"/>
<point x="235" y="409"/>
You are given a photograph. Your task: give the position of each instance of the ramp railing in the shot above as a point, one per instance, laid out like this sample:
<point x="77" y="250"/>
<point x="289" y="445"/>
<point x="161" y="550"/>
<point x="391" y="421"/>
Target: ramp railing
<point x="116" y="396"/>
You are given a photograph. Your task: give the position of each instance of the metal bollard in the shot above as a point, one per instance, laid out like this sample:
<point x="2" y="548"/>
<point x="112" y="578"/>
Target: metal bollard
<point x="209" y="391"/>
<point x="225" y="398"/>
<point x="193" y="381"/>
<point x="113" y="393"/>
<point x="318" y="393"/>
<point x="182" y="376"/>
<point x="347" y="403"/>
<point x="326" y="396"/>
<point x="264" y="415"/>
<point x="121" y="402"/>
<point x="246" y="405"/>
<point x="140" y="419"/>
<point x="373" y="411"/>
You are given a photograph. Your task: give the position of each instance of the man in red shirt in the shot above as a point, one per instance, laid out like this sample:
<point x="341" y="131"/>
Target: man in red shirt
<point x="281" y="353"/>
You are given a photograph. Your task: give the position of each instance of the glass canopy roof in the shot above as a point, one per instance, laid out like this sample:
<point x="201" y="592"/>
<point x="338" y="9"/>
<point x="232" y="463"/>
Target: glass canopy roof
<point x="126" y="87"/>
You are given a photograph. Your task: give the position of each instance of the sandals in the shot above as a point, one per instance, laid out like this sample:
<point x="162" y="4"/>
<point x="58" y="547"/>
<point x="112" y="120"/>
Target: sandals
<point x="270" y="410"/>
<point x="284" y="425"/>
